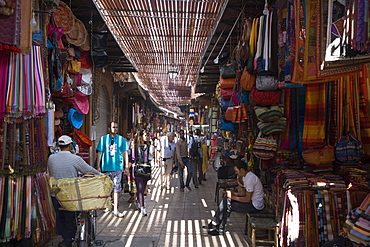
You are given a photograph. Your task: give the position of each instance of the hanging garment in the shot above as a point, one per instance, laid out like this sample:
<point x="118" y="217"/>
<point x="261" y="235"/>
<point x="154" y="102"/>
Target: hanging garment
<point x="314" y="115"/>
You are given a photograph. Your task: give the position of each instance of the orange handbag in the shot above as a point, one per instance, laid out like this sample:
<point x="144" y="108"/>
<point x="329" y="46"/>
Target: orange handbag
<point x="248" y="80"/>
<point x="227" y="83"/>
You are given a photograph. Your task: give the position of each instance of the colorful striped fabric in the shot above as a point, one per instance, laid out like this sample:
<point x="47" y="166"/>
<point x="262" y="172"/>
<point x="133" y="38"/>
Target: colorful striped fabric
<point x="314" y="115"/>
<point x="24" y="82"/>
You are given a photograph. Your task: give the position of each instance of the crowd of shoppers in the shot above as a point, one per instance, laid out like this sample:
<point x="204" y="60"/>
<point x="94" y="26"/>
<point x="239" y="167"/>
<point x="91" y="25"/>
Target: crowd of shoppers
<point x="122" y="158"/>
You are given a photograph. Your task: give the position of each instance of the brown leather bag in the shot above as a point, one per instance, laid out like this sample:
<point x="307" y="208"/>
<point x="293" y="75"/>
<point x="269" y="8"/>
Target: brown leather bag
<point x="227" y="83"/>
<point x="248" y="80"/>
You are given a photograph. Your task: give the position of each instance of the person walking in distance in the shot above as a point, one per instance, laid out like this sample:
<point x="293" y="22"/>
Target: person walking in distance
<point x="64" y="164"/>
<point x="183" y="161"/>
<point x="167" y="152"/>
<point x="195" y="147"/>
<point x="140" y="155"/>
<point x="111" y="160"/>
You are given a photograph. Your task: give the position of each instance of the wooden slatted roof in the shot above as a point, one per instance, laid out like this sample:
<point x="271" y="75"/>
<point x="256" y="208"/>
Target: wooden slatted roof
<point x="161" y="35"/>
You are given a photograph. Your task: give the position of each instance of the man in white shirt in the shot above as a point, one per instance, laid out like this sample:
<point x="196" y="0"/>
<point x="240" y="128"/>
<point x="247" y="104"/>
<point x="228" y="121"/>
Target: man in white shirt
<point x="247" y="201"/>
<point x="167" y="153"/>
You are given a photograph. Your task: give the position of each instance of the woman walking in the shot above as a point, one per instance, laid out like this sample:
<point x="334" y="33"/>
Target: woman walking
<point x="139" y="157"/>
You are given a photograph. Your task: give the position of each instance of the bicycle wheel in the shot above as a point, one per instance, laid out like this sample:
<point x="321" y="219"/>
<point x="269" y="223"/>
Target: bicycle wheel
<point x="84" y="228"/>
<point x="92" y="226"/>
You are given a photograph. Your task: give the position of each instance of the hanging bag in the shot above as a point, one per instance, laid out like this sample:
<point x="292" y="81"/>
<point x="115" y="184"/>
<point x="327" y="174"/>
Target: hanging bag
<point x="247" y="80"/>
<point x="269" y="113"/>
<point x="267" y="83"/>
<point x="269" y="128"/>
<point x="321" y="156"/>
<point x="227" y="83"/>
<point x="265" y="146"/>
<point x="348" y="149"/>
<point x="74" y="67"/>
<point x="265" y="98"/>
<point x="228" y="70"/>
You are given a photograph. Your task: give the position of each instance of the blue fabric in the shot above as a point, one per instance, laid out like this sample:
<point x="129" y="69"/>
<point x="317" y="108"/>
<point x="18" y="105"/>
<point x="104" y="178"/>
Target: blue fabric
<point x="112" y="154"/>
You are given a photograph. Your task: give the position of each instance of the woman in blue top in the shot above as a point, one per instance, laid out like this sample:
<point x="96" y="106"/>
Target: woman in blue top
<point x="140" y="155"/>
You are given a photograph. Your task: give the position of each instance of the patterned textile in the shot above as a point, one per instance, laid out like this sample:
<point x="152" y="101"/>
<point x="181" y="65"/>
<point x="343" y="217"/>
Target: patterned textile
<point x="24" y="84"/>
<point x="21" y="158"/>
<point x="10" y="26"/>
<point x="364" y="110"/>
<point x="314" y="116"/>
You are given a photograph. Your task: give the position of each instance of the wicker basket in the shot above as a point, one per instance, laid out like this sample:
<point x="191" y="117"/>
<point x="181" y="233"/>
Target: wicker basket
<point x="83" y="193"/>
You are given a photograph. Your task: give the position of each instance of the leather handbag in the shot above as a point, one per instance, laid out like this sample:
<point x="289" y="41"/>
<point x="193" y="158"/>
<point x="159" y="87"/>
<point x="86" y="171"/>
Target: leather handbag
<point x="265" y="146"/>
<point x="142" y="170"/>
<point x="247" y="80"/>
<point x="269" y="113"/>
<point x="348" y="149"/>
<point x="231" y="114"/>
<point x="321" y="156"/>
<point x="265" y="98"/>
<point x="267" y="83"/>
<point x="269" y="128"/>
<point x="227" y="125"/>
<point x="74" y="67"/>
<point x="227" y="83"/>
<point x="228" y="70"/>
<point x="226" y="93"/>
<point x="225" y="104"/>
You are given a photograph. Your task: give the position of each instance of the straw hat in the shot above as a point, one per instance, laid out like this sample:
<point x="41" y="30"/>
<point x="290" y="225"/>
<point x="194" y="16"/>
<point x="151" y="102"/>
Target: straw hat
<point x="86" y="45"/>
<point x="63" y="17"/>
<point x="77" y="36"/>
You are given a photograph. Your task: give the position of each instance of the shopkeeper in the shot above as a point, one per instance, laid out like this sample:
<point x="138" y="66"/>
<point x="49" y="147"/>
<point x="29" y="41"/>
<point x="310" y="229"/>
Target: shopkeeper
<point x="247" y="200"/>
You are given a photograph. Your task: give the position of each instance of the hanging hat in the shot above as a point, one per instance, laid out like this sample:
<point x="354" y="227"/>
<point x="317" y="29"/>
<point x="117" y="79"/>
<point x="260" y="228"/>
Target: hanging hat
<point x="76" y="119"/>
<point x="78" y="34"/>
<point x="63" y="17"/>
<point x="58" y="114"/>
<point x="79" y="102"/>
<point x="82" y="139"/>
<point x="86" y="45"/>
<point x="86" y="82"/>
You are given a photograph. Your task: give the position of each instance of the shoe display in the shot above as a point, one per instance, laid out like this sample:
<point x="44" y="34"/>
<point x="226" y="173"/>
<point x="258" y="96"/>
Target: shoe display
<point x="143" y="211"/>
<point x="216" y="232"/>
<point x="118" y="214"/>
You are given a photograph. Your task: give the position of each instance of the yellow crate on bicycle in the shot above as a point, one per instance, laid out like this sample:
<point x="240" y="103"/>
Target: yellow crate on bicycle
<point x="83" y="193"/>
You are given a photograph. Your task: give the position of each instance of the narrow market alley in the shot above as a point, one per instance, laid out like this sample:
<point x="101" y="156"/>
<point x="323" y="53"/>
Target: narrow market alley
<point x="174" y="219"/>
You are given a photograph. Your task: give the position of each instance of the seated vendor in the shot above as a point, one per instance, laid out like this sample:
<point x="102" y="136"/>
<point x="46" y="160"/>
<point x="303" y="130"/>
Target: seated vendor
<point x="248" y="200"/>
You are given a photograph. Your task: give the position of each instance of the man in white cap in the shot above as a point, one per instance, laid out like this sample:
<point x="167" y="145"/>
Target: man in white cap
<point x="64" y="164"/>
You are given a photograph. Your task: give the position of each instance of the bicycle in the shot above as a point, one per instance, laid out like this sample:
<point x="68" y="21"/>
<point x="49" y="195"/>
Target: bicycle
<point x="86" y="229"/>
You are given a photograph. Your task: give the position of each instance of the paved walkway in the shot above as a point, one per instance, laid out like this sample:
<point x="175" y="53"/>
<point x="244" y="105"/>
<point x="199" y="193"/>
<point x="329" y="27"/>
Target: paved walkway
<point x="174" y="219"/>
